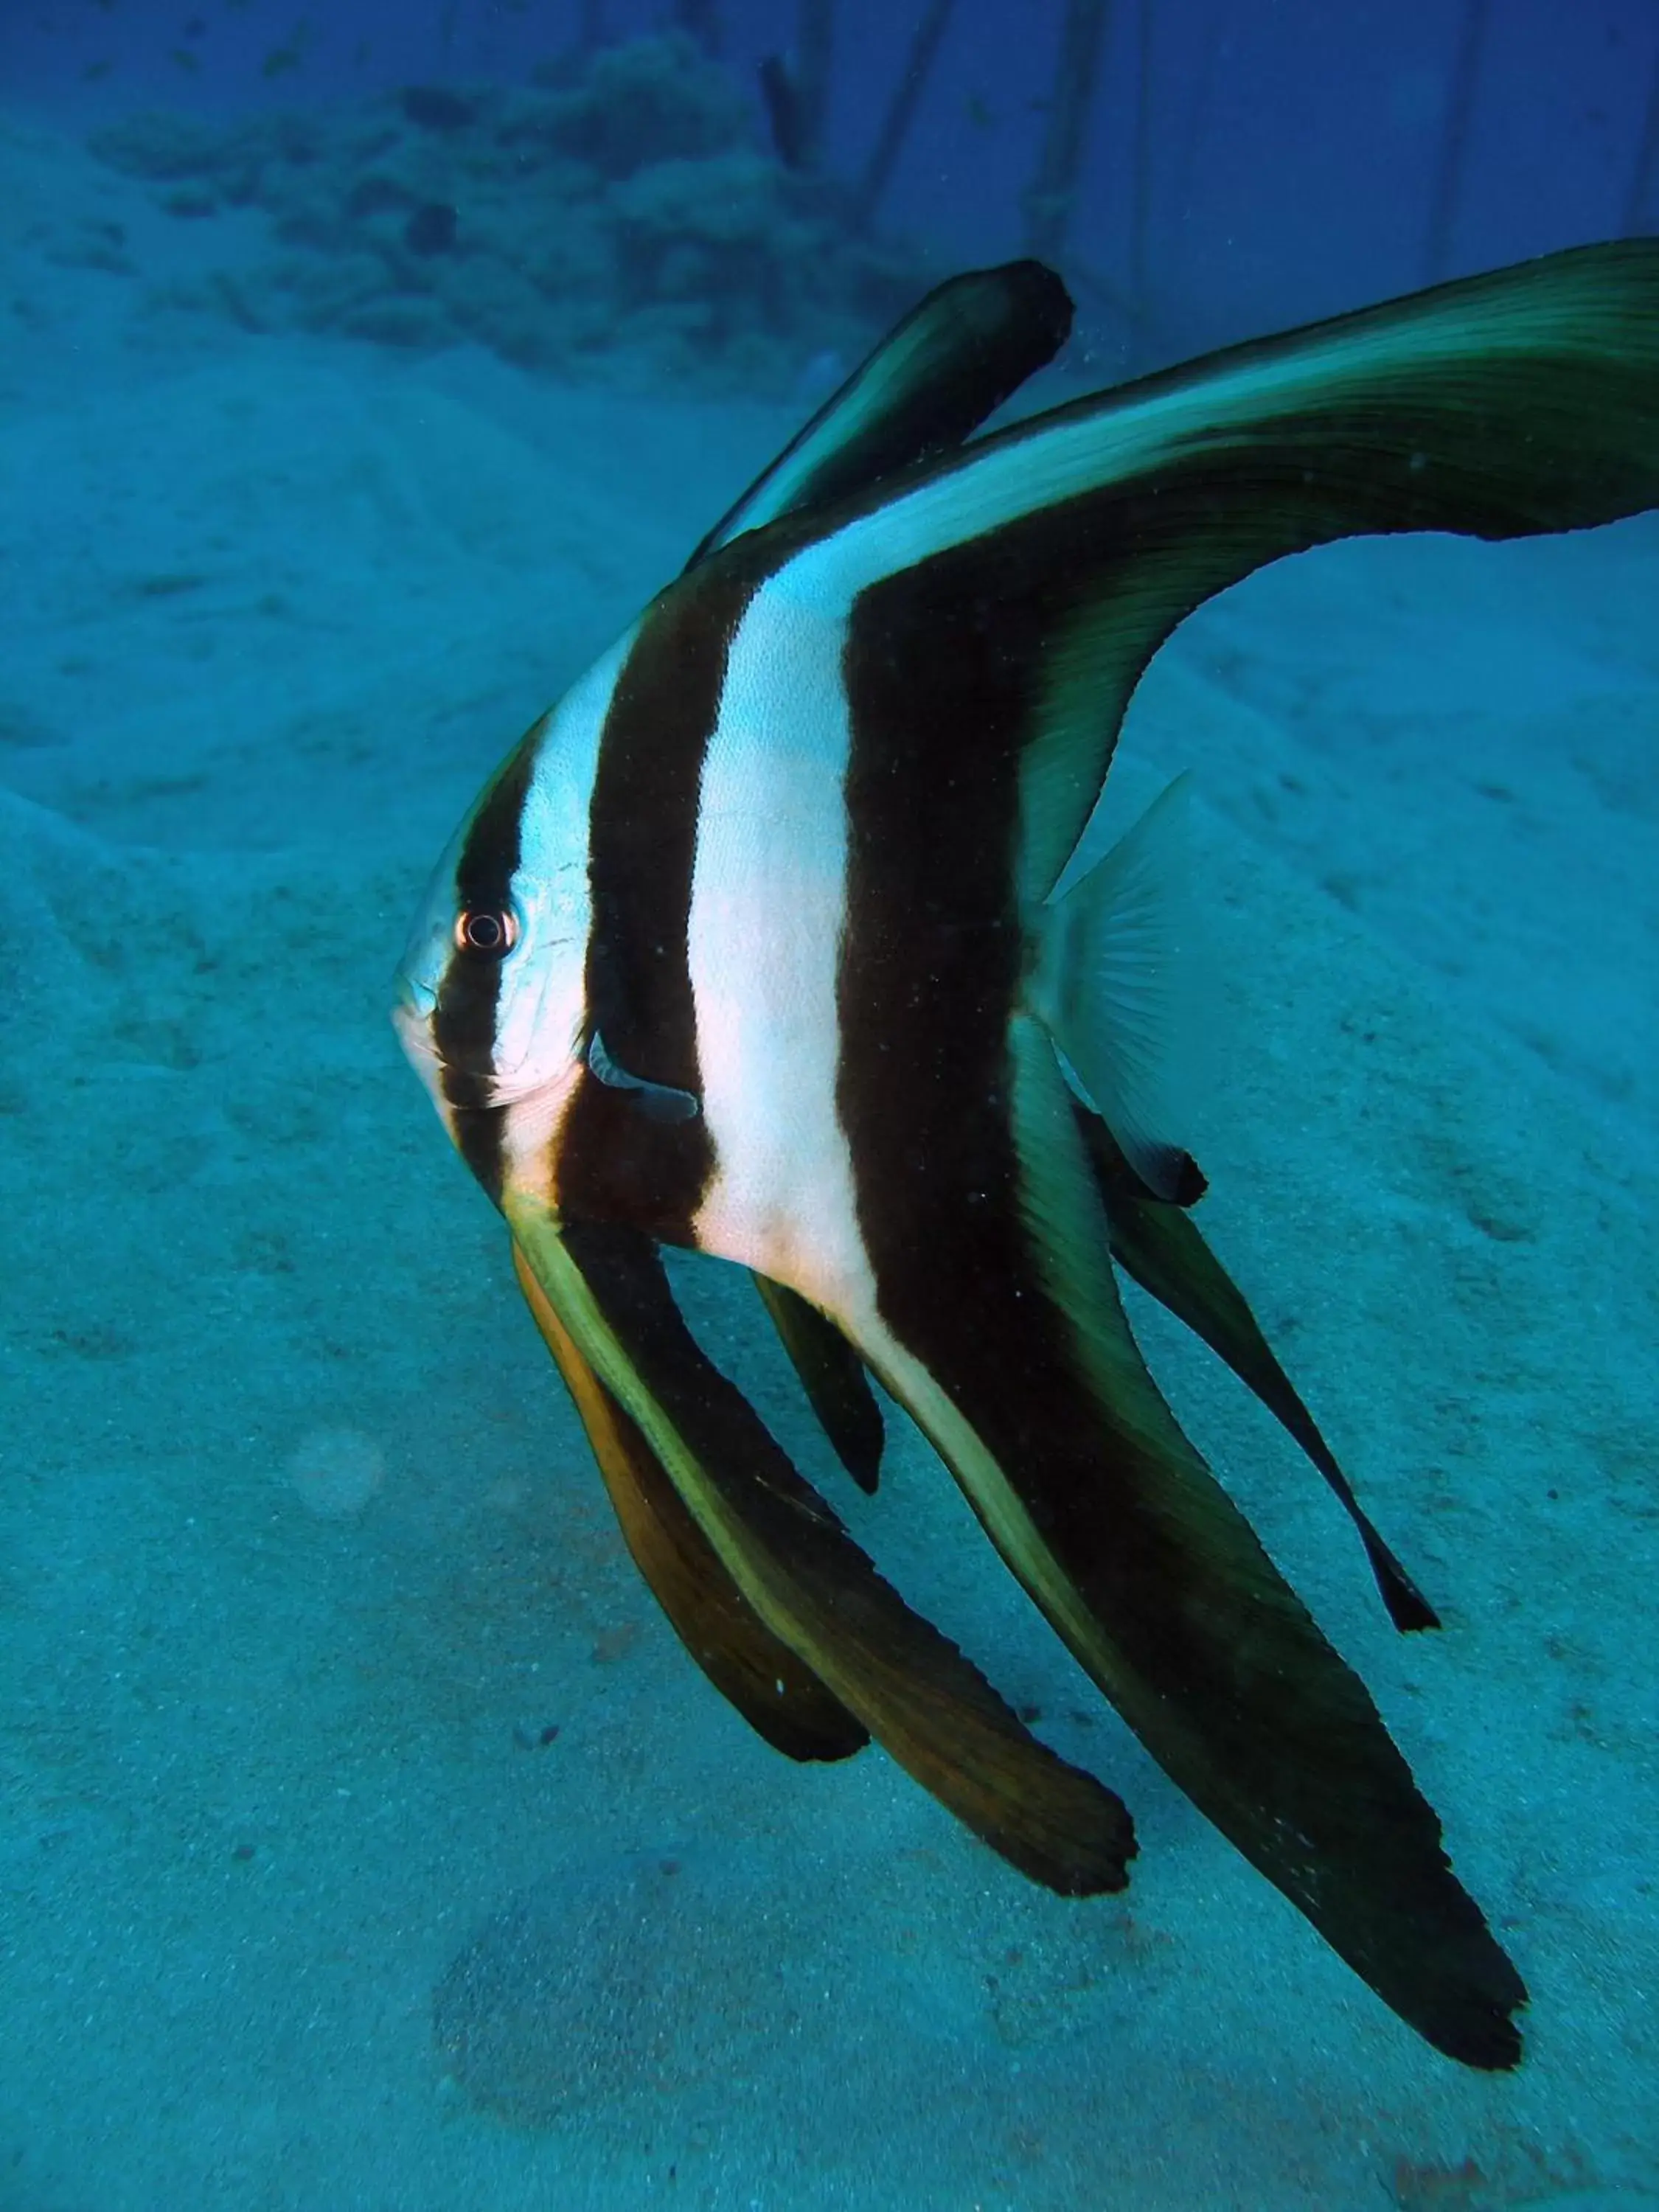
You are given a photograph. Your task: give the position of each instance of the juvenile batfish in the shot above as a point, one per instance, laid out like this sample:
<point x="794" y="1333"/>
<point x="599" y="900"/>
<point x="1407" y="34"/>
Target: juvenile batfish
<point x="752" y="946"/>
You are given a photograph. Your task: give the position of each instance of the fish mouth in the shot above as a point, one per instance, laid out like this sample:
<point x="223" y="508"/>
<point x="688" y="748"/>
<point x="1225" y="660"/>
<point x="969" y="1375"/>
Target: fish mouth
<point x="411" y="1017"/>
<point x="458" y="1087"/>
<point x="452" y="1088"/>
<point x="414" y="1001"/>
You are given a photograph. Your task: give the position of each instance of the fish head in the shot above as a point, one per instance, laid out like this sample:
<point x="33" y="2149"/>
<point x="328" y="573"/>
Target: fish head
<point x="490" y="992"/>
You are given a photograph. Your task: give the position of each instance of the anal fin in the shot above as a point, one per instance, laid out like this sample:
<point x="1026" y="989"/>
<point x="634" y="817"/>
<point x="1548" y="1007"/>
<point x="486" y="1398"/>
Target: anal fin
<point x="1033" y="1392"/>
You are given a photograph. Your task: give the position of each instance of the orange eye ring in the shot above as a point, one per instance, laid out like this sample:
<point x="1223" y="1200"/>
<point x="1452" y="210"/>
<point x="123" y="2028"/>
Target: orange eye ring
<point x="487" y="932"/>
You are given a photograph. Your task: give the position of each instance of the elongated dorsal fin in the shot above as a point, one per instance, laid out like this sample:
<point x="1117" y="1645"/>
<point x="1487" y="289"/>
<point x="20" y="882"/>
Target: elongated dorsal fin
<point x="1001" y="606"/>
<point x="929" y="383"/>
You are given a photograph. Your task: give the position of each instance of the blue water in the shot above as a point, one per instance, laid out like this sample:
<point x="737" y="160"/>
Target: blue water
<point x="367" y="1839"/>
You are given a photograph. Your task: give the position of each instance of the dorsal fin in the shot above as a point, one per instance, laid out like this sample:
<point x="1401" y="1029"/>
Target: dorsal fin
<point x="1005" y="601"/>
<point x="929" y="383"/>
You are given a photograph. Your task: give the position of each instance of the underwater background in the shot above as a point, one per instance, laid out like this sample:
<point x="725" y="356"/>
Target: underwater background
<point x="369" y="1841"/>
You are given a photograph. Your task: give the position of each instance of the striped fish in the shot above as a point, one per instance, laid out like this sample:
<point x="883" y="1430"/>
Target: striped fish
<point x="753" y="947"/>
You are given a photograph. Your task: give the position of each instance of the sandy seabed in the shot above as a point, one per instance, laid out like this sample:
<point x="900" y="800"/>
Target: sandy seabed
<point x="369" y="1841"/>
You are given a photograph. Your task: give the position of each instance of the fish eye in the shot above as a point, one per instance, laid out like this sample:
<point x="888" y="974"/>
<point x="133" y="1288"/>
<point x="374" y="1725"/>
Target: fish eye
<point x="489" y="932"/>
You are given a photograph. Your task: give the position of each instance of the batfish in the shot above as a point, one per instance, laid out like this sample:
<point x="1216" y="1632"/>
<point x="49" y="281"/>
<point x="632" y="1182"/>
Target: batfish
<point x="758" y="945"/>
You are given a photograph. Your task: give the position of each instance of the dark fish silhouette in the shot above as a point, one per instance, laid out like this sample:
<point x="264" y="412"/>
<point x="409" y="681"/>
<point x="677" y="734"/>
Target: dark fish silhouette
<point x="752" y="946"/>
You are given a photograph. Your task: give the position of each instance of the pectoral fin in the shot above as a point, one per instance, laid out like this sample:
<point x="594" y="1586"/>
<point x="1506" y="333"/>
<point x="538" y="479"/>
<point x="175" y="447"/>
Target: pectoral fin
<point x="832" y="1374"/>
<point x="660" y="1102"/>
<point x="804" y="1579"/>
<point x="782" y="1700"/>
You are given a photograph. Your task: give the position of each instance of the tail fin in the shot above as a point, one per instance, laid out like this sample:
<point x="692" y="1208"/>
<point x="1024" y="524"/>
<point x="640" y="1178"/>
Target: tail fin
<point x="1117" y="988"/>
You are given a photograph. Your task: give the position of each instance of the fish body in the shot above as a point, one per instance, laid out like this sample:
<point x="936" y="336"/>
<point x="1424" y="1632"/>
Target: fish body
<point x="758" y="946"/>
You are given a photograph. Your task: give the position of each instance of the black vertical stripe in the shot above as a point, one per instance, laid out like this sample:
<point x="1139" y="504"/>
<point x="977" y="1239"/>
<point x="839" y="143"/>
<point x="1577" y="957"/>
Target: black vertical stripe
<point x="1202" y="1646"/>
<point x="463" y="1020"/>
<point x="944" y="668"/>
<point x="616" y="1161"/>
